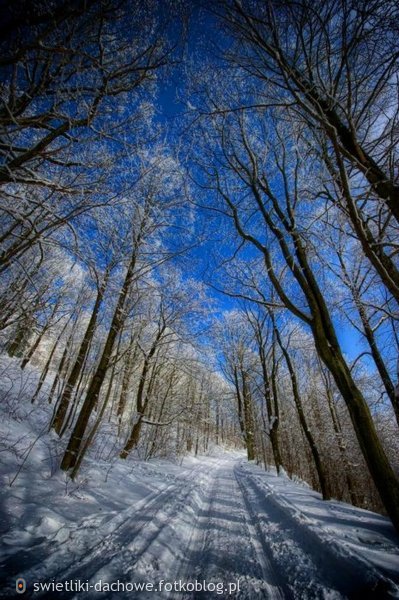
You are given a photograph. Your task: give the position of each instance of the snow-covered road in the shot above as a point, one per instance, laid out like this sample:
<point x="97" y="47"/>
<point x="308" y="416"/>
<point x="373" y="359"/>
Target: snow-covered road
<point x="220" y="521"/>
<point x="226" y="543"/>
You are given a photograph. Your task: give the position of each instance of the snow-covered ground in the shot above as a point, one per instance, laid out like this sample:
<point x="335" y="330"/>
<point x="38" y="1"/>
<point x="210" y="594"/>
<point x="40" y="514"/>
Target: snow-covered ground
<point x="214" y="521"/>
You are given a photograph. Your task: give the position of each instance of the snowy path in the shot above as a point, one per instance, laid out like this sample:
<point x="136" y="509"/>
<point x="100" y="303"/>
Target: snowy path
<point x="221" y="521"/>
<point x="226" y="544"/>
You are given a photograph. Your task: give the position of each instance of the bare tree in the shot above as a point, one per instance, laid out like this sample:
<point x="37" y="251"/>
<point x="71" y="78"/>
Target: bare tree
<point x="332" y="69"/>
<point x="264" y="340"/>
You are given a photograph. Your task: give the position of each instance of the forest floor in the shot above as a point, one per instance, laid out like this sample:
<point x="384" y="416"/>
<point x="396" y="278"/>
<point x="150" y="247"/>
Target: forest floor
<point x="214" y="521"/>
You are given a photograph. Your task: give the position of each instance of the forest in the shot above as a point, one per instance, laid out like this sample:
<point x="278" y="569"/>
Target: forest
<point x="199" y="236"/>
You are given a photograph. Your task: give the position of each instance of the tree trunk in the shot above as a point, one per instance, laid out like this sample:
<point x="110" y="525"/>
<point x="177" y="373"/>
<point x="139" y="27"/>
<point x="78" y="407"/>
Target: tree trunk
<point x="341" y="446"/>
<point x="39" y="338"/>
<point x="382" y="473"/>
<point x="71" y="453"/>
<point x="93" y="432"/>
<point x="273" y="420"/>
<point x="80" y="360"/>
<point x="62" y="367"/>
<point x="127" y="375"/>
<point x="248" y="418"/>
<point x="369" y="333"/>
<point x="48" y="363"/>
<point x="133" y="438"/>
<point x="303" y="422"/>
<point x="141" y="399"/>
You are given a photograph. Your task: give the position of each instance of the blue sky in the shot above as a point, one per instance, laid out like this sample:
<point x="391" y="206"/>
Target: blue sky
<point x="170" y="111"/>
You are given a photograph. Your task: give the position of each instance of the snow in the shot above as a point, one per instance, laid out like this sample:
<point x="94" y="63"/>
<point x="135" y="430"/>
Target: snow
<point x="212" y="518"/>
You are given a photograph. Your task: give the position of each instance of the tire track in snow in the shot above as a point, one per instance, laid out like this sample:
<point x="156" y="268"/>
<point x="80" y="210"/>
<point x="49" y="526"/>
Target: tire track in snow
<point x="183" y="569"/>
<point x="85" y="565"/>
<point x="119" y="531"/>
<point x="150" y="555"/>
<point x="123" y="553"/>
<point x="279" y="591"/>
<point x="314" y="567"/>
<point x="224" y="545"/>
